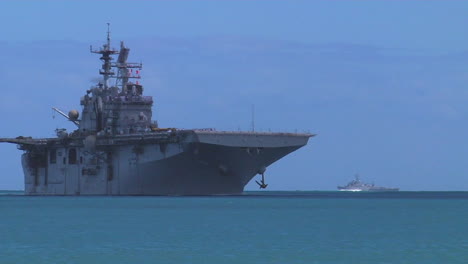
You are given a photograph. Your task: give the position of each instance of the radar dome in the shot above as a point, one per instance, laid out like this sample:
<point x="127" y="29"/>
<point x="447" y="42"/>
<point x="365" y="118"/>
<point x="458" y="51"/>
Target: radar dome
<point x="73" y="115"/>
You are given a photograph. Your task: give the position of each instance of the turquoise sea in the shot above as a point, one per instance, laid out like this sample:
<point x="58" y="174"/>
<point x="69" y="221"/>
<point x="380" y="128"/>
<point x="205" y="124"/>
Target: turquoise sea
<point x="258" y="227"/>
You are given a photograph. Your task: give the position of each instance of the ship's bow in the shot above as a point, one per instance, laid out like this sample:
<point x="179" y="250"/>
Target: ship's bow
<point x="234" y="158"/>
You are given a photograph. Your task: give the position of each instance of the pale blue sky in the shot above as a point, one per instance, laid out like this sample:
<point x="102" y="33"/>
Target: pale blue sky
<point x="431" y="25"/>
<point x="383" y="83"/>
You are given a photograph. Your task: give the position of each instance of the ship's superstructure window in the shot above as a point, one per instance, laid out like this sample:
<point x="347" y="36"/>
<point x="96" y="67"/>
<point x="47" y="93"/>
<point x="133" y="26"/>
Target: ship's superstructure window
<point x="52" y="156"/>
<point x="72" y="156"/>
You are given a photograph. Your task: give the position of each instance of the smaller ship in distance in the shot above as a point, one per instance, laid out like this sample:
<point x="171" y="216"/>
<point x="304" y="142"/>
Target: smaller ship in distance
<point x="357" y="185"/>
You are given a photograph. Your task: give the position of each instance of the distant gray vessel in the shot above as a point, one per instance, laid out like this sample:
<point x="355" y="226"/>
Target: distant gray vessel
<point x="118" y="150"/>
<point x="357" y="185"/>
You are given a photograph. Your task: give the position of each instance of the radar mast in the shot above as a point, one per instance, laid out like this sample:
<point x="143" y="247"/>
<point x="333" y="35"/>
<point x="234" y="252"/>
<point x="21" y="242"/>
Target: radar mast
<point x="125" y="69"/>
<point x="106" y="51"/>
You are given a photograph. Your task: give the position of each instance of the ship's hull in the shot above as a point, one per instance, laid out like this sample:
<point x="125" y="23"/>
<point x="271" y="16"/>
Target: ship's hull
<point x="205" y="163"/>
<point x="382" y="189"/>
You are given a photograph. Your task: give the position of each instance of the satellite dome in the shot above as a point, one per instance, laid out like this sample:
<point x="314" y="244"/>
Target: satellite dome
<point x="73" y="115"/>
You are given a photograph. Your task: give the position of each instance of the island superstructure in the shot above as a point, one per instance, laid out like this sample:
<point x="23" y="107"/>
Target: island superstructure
<point x="118" y="150"/>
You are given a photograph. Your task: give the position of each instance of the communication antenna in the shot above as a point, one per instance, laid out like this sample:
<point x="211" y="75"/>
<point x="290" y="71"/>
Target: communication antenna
<point x="253" y="118"/>
<point x="108" y="35"/>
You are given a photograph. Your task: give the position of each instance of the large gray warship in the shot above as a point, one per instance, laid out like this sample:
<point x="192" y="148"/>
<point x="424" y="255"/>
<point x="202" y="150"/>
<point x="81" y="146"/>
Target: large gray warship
<point x="118" y="149"/>
<point x="357" y="185"/>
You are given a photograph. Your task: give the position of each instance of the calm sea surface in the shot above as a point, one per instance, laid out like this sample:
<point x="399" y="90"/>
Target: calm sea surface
<point x="267" y="227"/>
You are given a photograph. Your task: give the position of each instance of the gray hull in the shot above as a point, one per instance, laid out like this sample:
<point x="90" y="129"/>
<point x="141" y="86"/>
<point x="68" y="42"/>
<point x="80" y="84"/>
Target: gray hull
<point x="197" y="163"/>
<point x="377" y="189"/>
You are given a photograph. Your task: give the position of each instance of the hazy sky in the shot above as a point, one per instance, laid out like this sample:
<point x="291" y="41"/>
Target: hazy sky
<point x="382" y="82"/>
<point x="427" y="25"/>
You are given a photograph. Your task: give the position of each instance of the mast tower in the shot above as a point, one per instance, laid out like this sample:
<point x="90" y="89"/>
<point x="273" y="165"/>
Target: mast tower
<point x="106" y="51"/>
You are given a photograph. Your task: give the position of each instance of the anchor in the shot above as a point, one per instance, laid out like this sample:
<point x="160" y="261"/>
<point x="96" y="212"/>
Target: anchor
<point x="262" y="183"/>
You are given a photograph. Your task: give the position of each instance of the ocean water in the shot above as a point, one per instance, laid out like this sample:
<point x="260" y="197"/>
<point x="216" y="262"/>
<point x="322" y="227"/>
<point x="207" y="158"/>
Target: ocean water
<point x="259" y="227"/>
